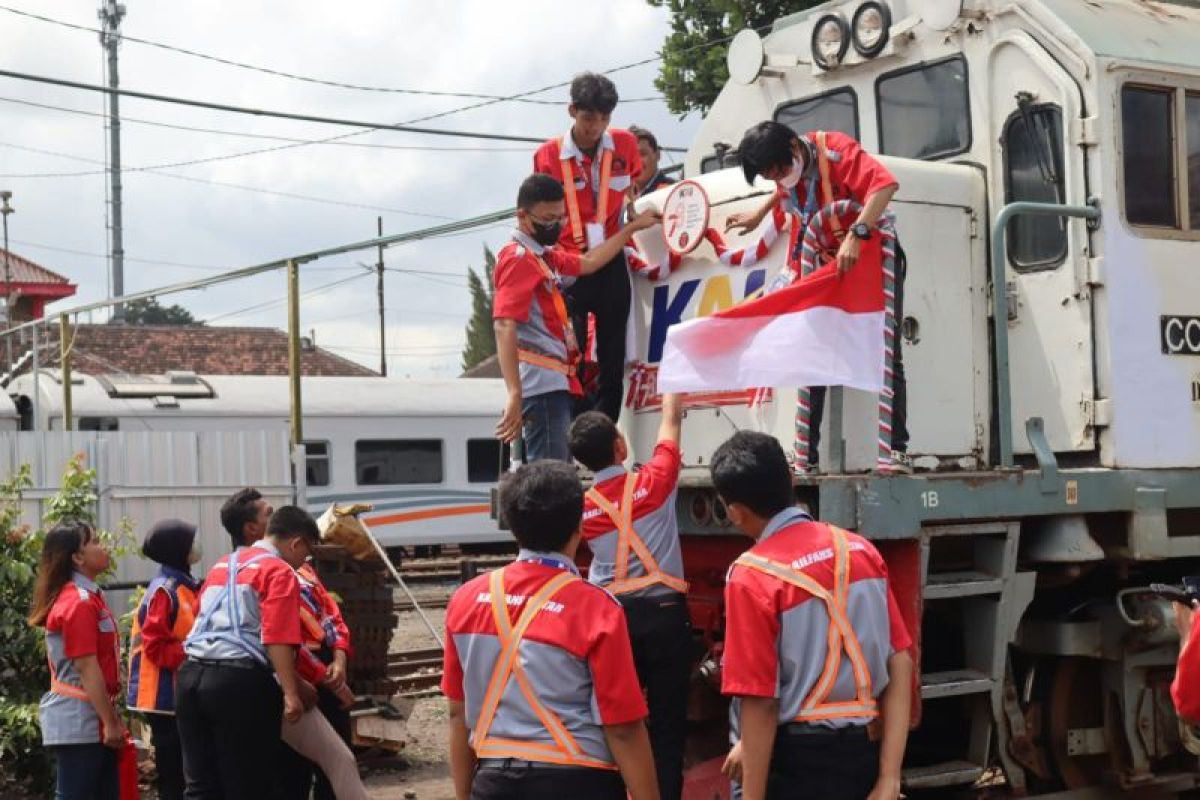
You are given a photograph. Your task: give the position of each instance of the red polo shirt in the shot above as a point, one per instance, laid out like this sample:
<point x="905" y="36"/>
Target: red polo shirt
<point x="626" y="165"/>
<point x="88" y="628"/>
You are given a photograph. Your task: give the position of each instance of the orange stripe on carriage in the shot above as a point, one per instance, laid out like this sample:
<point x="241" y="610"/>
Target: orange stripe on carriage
<point x="429" y="513"/>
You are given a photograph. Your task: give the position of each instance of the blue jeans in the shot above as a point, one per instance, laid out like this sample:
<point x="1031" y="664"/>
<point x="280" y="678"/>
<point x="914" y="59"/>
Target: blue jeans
<point x="546" y="420"/>
<point x="85" y="772"/>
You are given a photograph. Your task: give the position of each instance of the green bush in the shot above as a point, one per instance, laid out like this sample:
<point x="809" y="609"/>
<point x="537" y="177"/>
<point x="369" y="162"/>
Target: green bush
<point x="24" y="676"/>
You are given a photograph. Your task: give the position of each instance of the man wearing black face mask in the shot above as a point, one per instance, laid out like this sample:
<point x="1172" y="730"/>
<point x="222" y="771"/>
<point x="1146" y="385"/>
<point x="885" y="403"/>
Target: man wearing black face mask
<point x="535" y="343"/>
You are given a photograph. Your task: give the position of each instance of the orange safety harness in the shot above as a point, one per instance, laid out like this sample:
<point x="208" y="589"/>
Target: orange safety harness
<point x="841" y="638"/>
<point x="571" y="364"/>
<point x="565" y="749"/>
<point x="628" y="539"/>
<point x="568" y="180"/>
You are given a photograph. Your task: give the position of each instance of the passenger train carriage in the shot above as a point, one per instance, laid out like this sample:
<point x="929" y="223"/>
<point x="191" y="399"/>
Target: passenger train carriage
<point x="422" y="453"/>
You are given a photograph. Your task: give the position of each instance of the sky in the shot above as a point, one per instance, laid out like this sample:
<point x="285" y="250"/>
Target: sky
<point x="188" y="222"/>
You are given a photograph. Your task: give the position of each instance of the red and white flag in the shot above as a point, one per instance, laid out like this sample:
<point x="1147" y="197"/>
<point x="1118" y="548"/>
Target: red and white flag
<point x="825" y="330"/>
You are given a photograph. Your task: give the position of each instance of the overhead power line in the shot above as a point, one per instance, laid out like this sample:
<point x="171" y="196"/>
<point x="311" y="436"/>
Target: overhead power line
<point x="261" y="112"/>
<point x="268" y="136"/>
<point x="208" y="181"/>
<point x="306" y="78"/>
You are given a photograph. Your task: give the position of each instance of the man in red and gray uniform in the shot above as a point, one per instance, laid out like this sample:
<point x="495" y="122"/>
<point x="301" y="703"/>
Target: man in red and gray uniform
<point x="816" y="651"/>
<point x="596" y="165"/>
<point x="544" y="700"/>
<point x="630" y="525"/>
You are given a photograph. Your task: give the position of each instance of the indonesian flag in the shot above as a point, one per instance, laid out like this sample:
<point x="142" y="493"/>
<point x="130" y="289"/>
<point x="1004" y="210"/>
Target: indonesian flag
<point x="824" y="330"/>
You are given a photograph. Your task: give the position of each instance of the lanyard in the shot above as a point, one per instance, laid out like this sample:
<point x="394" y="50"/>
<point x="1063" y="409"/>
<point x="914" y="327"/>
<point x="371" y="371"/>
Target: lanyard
<point x="560" y="308"/>
<point x="551" y="561"/>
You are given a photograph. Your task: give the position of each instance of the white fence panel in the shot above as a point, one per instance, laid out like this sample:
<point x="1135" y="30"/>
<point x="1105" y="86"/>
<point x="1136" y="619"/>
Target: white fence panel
<point x="144" y="476"/>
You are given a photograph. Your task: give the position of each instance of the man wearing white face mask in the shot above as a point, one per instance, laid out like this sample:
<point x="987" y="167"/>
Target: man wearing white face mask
<point x="812" y="171"/>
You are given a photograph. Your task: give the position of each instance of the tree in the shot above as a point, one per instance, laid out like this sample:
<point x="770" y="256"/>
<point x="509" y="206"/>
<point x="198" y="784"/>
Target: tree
<point x="149" y="312"/>
<point x="693" y="69"/>
<point x="481" y="339"/>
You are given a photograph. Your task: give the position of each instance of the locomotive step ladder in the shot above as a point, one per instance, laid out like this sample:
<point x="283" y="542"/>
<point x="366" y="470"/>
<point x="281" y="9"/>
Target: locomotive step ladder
<point x="979" y="581"/>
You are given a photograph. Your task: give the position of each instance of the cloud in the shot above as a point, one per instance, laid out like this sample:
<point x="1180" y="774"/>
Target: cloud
<point x="484" y="47"/>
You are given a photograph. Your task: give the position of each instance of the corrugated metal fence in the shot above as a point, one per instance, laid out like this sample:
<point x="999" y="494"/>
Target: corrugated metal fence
<point x="144" y="476"/>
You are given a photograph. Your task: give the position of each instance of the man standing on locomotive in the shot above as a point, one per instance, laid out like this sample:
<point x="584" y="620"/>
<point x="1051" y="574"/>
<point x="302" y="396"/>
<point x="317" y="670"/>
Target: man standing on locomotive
<point x="596" y="165"/>
<point x="812" y="171"/>
<point x="535" y="343"/>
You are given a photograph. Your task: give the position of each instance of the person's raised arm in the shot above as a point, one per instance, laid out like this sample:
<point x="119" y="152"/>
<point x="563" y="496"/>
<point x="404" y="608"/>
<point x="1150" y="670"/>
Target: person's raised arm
<point x="509" y="426"/>
<point x="630" y="746"/>
<point x="670" y="429"/>
<point x="593" y="260"/>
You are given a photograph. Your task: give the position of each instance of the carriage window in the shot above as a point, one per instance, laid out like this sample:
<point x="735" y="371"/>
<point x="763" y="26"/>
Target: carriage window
<point x="1033" y="172"/>
<point x="924" y="111"/>
<point x="834" y="111"/>
<point x="98" y="424"/>
<point x="486" y="460"/>
<point x="382" y="462"/>
<point x="1149" y="156"/>
<point x="1193" y="160"/>
<point x="316" y="463"/>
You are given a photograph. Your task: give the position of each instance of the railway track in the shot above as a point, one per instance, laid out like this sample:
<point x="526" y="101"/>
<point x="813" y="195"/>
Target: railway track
<point x="417" y="673"/>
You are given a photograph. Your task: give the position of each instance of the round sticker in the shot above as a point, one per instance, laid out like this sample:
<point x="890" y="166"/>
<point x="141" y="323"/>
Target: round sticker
<point x="685" y="217"/>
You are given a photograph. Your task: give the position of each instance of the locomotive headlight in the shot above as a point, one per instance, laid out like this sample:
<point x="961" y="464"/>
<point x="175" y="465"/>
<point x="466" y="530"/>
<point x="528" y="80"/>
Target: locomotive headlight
<point x="830" y="41"/>
<point x="870" y="28"/>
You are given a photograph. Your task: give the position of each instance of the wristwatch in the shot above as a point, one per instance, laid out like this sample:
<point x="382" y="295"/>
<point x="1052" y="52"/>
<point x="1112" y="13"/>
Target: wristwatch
<point x="861" y="231"/>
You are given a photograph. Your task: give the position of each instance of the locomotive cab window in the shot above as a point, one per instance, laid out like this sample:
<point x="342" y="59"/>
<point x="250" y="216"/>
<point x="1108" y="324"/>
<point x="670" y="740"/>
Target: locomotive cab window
<point x="486" y="460"/>
<point x="316" y="463"/>
<point x="925" y="111"/>
<point x="721" y="160"/>
<point x="832" y="111"/>
<point x="1033" y="171"/>
<point x="387" y="462"/>
<point x="1157" y="125"/>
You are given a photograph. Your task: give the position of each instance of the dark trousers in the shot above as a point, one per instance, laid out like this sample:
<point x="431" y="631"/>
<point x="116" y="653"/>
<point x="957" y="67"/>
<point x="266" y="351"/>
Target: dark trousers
<point x="229" y="722"/>
<point x="522" y="782"/>
<point x="168" y="756"/>
<point x="607" y="295"/>
<point x="85" y="772"/>
<point x="660" y="631"/>
<point x="823" y="767"/>
<point x="899" y="382"/>
<point x="296" y="772"/>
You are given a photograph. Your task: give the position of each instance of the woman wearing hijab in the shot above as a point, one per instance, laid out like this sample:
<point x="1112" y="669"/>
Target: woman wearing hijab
<point x="163" y="620"/>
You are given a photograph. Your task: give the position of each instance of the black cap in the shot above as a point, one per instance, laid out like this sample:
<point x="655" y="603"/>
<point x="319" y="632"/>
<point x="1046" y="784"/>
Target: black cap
<point x="169" y="543"/>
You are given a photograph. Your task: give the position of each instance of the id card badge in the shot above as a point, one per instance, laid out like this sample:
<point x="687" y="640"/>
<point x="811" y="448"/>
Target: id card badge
<point x="595" y="235"/>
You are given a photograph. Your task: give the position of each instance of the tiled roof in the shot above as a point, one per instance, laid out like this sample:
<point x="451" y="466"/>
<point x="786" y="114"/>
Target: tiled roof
<point x="205" y="350"/>
<point x="488" y="368"/>
<point x="25" y="271"/>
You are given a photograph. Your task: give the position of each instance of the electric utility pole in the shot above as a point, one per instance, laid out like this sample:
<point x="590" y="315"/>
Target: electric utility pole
<point x="379" y="291"/>
<point x="111" y="14"/>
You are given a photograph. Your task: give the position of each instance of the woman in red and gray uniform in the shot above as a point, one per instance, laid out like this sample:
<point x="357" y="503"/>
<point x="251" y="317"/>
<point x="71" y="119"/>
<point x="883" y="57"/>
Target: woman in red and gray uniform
<point x="630" y="525"/>
<point x="544" y="699"/>
<point x="816" y="651"/>
<point x="78" y="715"/>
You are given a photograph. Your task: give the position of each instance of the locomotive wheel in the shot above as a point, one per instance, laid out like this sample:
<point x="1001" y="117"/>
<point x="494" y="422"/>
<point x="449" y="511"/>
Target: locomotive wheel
<point x="1076" y="700"/>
